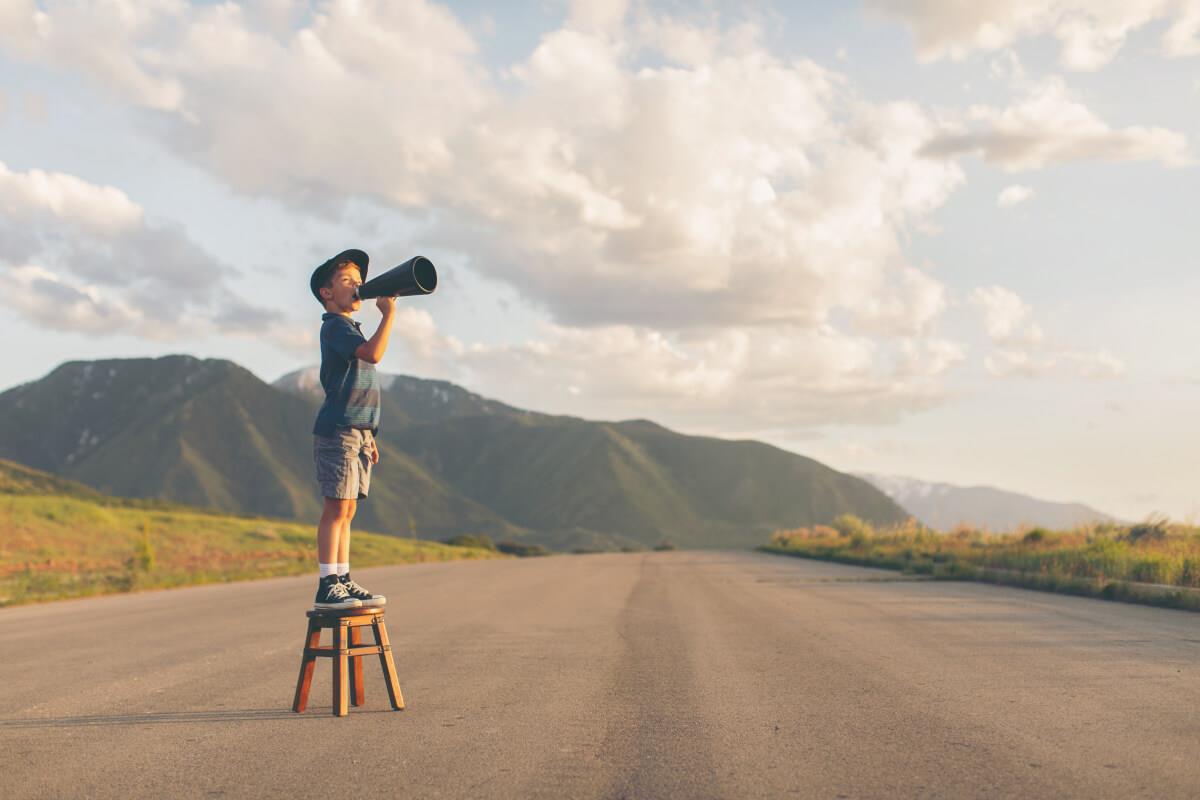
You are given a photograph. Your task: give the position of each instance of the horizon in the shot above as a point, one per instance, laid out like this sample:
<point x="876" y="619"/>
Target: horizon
<point x="944" y="245"/>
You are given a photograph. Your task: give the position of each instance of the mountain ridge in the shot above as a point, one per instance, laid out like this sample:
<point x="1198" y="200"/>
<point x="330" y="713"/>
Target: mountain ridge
<point x="944" y="506"/>
<point x="209" y="433"/>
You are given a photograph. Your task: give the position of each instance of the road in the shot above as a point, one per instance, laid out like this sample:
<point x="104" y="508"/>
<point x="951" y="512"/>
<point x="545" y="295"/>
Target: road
<point x="640" y="675"/>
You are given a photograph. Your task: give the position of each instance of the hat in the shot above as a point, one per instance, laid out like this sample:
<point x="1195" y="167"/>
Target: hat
<point x="321" y="274"/>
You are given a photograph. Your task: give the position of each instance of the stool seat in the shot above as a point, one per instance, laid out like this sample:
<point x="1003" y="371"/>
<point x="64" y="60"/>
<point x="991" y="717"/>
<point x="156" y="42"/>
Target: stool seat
<point x="342" y="612"/>
<point x="346" y="653"/>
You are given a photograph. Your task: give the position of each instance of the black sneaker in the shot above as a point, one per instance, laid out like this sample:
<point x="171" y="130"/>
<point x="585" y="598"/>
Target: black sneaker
<point x="359" y="593"/>
<point x="331" y="594"/>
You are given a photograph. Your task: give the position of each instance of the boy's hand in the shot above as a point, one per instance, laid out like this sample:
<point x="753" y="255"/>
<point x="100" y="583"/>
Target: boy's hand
<point x="374" y="452"/>
<point x="386" y="305"/>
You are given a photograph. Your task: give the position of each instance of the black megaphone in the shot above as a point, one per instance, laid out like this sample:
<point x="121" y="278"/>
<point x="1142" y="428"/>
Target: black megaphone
<point x="415" y="276"/>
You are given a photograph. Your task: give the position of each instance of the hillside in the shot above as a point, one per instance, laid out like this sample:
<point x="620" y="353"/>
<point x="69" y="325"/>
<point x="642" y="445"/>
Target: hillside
<point x="209" y="433"/>
<point x="944" y="506"/>
<point x="59" y="539"/>
<point x="611" y="484"/>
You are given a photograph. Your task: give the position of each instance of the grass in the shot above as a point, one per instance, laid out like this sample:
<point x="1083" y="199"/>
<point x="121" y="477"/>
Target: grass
<point x="1155" y="562"/>
<point x="55" y="546"/>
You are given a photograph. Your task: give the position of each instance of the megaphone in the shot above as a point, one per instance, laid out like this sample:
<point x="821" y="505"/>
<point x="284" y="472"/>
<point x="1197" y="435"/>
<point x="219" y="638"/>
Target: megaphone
<point x="415" y="276"/>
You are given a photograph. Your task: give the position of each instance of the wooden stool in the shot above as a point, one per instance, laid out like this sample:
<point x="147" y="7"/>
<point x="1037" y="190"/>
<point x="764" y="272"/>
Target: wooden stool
<point x="346" y="652"/>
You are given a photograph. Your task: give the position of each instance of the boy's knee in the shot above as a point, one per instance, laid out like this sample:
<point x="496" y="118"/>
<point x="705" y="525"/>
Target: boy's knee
<point x="341" y="509"/>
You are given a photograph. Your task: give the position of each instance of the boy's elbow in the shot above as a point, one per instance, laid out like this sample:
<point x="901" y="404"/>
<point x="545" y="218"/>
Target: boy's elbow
<point x="365" y="353"/>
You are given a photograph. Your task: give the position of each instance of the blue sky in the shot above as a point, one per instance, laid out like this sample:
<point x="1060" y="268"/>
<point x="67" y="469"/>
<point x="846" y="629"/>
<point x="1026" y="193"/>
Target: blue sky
<point x="904" y="237"/>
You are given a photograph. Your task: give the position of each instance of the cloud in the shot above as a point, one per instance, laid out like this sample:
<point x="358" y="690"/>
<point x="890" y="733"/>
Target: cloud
<point x="1089" y="33"/>
<point x="45" y="298"/>
<point x="714" y="185"/>
<point x="739" y="382"/>
<point x="33" y="195"/>
<point x="1050" y="126"/>
<point x="1013" y="195"/>
<point x="677" y="200"/>
<point x="82" y="257"/>
<point x="1021" y="349"/>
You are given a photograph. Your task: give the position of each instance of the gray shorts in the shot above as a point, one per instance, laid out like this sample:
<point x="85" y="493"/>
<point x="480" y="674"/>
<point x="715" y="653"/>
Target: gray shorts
<point x="344" y="463"/>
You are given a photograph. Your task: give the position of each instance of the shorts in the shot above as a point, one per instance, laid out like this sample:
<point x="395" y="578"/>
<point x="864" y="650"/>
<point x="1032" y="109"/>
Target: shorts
<point x="344" y="463"/>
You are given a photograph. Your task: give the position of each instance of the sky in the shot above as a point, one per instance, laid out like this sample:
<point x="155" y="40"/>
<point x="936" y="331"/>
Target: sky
<point x="950" y="241"/>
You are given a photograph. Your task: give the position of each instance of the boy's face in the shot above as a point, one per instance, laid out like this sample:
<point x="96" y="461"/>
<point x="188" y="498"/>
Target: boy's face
<point x="339" y="294"/>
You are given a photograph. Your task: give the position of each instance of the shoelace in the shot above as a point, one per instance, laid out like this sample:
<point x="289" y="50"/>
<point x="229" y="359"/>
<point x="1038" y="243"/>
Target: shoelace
<point x="338" y="591"/>
<point x="351" y="587"/>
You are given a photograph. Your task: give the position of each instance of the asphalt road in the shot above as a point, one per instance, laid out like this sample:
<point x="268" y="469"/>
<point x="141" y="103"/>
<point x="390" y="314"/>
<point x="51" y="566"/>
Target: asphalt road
<point x="660" y="675"/>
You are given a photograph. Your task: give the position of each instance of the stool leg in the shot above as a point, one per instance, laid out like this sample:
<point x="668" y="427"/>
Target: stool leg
<point x="307" y="662"/>
<point x="339" y="670"/>
<point x="389" y="666"/>
<point x="357" y="691"/>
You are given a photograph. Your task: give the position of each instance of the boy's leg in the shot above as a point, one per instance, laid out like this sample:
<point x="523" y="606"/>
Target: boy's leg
<point x="335" y="520"/>
<point x="330" y="592"/>
<point x="343" y="542"/>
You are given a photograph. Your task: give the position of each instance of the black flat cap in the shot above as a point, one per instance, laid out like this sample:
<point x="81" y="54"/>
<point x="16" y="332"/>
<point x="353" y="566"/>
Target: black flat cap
<point x="321" y="274"/>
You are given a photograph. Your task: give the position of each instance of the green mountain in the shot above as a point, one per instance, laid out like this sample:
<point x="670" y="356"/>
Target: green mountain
<point x="210" y="433"/>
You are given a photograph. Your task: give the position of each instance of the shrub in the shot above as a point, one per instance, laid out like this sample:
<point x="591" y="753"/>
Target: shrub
<point x="522" y="549"/>
<point x="1152" y="530"/>
<point x="850" y="526"/>
<point x="665" y="544"/>
<point x="1035" y="536"/>
<point x="480" y="541"/>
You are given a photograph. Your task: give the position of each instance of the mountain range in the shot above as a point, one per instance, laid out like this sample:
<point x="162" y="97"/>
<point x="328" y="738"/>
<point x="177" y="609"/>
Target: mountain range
<point x="943" y="506"/>
<point x="210" y="433"/>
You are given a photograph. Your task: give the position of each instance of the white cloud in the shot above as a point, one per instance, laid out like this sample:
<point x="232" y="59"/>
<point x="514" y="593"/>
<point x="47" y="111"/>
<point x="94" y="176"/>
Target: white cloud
<point x="1021" y="349"/>
<point x="45" y="298"/>
<point x="102" y="210"/>
<point x="1013" y="195"/>
<point x="1089" y="33"/>
<point x="738" y="382"/>
<point x="742" y="189"/>
<point x="597" y="15"/>
<point x="82" y="257"/>
<point x="1050" y="126"/>
<point x="678" y="200"/>
<point x="1006" y="317"/>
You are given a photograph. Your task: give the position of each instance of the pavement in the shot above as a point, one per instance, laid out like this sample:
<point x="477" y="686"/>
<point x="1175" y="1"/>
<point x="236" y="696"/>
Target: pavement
<point x="686" y="674"/>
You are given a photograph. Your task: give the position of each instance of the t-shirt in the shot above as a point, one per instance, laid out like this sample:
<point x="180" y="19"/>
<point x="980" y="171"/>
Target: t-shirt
<point x="351" y="384"/>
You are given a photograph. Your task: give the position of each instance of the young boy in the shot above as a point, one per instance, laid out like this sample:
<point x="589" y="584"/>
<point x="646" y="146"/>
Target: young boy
<point x="344" y="433"/>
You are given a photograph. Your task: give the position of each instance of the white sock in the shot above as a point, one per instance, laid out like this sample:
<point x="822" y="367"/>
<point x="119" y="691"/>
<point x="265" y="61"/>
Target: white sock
<point x="343" y="567"/>
<point x="327" y="569"/>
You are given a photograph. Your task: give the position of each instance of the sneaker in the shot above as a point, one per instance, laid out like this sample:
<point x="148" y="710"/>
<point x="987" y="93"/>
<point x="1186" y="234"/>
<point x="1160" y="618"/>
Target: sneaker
<point x="331" y="594"/>
<point x="359" y="593"/>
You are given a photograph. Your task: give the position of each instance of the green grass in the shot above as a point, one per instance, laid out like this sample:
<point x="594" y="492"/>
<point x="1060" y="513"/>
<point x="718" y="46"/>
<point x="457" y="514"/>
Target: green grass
<point x="55" y="546"/>
<point x="1101" y="560"/>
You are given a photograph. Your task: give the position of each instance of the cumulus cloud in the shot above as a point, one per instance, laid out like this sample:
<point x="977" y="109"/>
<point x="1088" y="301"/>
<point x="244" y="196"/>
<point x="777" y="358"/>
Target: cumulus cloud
<point x="690" y="210"/>
<point x="82" y="257"/>
<point x="754" y="381"/>
<point x="727" y="185"/>
<point x="28" y="197"/>
<point x="1049" y="125"/>
<point x="1013" y="195"/>
<point x="1021" y="348"/>
<point x="1089" y="33"/>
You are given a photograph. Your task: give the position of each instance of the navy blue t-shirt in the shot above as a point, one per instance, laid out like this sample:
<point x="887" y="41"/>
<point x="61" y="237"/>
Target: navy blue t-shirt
<point x="351" y="385"/>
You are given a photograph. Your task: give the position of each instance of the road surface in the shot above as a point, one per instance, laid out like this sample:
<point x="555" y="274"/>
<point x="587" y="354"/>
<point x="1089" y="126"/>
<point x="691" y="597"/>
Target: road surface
<point x="640" y="675"/>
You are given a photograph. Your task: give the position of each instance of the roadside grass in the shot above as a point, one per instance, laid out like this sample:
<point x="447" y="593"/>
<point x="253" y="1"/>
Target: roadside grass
<point x="55" y="546"/>
<point x="1155" y="562"/>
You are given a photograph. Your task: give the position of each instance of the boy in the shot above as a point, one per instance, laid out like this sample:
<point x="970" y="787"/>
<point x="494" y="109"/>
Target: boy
<point x="344" y="432"/>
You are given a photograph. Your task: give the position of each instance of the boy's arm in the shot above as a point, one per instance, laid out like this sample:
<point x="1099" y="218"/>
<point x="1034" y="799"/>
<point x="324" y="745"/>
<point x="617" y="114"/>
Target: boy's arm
<point x="372" y="349"/>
